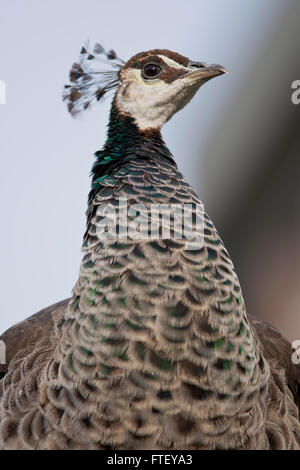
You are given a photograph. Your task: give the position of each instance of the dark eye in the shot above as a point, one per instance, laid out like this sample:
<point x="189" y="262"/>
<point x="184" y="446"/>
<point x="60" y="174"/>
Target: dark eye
<point x="151" y="71"/>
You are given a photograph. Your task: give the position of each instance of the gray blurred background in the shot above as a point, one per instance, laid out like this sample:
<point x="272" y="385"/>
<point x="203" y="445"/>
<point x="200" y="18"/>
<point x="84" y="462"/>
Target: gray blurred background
<point x="238" y="142"/>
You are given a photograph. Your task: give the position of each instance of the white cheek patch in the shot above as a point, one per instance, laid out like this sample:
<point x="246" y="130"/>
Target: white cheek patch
<point x="151" y="104"/>
<point x="135" y="75"/>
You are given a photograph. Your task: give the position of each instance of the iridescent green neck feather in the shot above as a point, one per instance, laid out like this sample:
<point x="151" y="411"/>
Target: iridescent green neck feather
<point x="124" y="143"/>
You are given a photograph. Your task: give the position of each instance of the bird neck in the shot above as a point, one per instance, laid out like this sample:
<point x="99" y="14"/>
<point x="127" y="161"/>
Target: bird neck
<point x="125" y="142"/>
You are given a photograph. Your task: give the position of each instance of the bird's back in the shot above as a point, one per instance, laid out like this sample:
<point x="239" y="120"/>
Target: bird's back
<point x="155" y="349"/>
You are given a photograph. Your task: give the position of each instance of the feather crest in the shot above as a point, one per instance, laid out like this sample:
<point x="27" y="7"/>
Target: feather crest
<point x="95" y="74"/>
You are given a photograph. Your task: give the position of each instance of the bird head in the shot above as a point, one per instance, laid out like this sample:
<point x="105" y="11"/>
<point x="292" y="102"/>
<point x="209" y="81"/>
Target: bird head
<point x="154" y="85"/>
<point x="150" y="87"/>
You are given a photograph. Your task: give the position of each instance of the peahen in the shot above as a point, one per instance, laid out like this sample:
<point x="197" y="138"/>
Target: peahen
<point x="154" y="350"/>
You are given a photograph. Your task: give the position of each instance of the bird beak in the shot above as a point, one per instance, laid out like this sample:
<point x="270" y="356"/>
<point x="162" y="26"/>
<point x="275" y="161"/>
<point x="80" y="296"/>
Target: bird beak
<point x="204" y="72"/>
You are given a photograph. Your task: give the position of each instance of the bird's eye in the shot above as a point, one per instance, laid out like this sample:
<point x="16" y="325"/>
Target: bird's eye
<point x="151" y="71"/>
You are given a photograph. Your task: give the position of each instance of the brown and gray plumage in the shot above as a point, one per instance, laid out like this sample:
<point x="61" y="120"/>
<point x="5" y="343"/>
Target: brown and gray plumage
<point x="154" y="350"/>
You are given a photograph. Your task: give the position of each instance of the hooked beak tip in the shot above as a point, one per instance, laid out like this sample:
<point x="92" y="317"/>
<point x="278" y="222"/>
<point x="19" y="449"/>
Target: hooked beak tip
<point x="223" y="69"/>
<point x="218" y="69"/>
<point x="206" y="72"/>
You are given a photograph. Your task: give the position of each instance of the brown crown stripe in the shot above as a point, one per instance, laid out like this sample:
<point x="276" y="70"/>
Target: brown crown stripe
<point x="180" y="59"/>
<point x="169" y="73"/>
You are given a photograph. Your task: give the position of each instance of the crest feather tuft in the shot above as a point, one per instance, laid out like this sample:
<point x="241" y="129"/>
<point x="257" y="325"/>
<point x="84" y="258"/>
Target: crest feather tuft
<point x="90" y="81"/>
